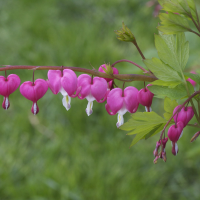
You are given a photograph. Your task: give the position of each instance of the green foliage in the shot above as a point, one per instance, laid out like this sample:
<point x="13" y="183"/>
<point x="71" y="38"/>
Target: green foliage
<point x="108" y="70"/>
<point x="169" y="106"/>
<point x="162" y="71"/>
<point x="172" y="23"/>
<point x="173" y="52"/>
<point x="170" y="84"/>
<point x="177" y="18"/>
<point x="177" y="92"/>
<point x="143" y="124"/>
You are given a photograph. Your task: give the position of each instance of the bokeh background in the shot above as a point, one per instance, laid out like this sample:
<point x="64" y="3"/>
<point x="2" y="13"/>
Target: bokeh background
<point x="67" y="155"/>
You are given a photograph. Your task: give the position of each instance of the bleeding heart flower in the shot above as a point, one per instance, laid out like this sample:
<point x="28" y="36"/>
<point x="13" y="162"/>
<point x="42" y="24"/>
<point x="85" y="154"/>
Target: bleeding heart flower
<point x="185" y="114"/>
<point x="34" y="92"/>
<point x="145" y="97"/>
<point x="92" y="89"/>
<point x="174" y="133"/>
<point x="120" y="102"/>
<point x="66" y="84"/>
<point x="8" y="86"/>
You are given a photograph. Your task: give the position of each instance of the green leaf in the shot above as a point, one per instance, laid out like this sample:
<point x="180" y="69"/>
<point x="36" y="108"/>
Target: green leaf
<point x="161" y="70"/>
<point x="170" y="84"/>
<point x="169" y="106"/>
<point x="173" y="93"/>
<point x="174" y="53"/>
<point x="156" y="130"/>
<point x="194" y="77"/>
<point x="193" y="10"/>
<point x="143" y="124"/>
<point x="178" y="23"/>
<point x="182" y="47"/>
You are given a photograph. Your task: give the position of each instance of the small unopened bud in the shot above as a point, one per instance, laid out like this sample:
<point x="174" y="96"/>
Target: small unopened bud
<point x="196" y="135"/>
<point x="156" y="159"/>
<point x="164" y="156"/>
<point x="155" y="152"/>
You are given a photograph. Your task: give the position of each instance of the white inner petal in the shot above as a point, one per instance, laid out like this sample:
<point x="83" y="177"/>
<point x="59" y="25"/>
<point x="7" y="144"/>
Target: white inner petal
<point x="146" y="108"/>
<point x="176" y="148"/>
<point x="63" y="92"/>
<point x="181" y="135"/>
<point x="123" y="110"/>
<point x="90" y="97"/>
<point x="120" y="120"/>
<point x="66" y="102"/>
<point x="89" y="108"/>
<point x="34" y="108"/>
<point x="6" y="103"/>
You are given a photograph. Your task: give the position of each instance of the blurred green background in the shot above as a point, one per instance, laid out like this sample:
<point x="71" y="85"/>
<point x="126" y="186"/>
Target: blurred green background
<point x="66" y="155"/>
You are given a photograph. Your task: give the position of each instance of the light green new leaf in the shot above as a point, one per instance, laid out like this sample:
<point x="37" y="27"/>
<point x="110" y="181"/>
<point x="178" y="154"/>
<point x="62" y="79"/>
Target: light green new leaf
<point x="161" y="70"/>
<point x="194" y="77"/>
<point x="170" y="84"/>
<point x="193" y="10"/>
<point x="167" y="116"/>
<point x="156" y="130"/>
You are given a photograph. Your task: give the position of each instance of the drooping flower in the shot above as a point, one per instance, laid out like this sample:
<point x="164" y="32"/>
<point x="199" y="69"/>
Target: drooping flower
<point x="145" y="97"/>
<point x="8" y="86"/>
<point x="92" y="89"/>
<point x="185" y="114"/>
<point x="34" y="92"/>
<point x="65" y="83"/>
<point x="174" y="134"/>
<point x="120" y="102"/>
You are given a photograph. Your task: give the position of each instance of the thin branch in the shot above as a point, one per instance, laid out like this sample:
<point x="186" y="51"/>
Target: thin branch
<point x="136" y="45"/>
<point x="126" y="77"/>
<point x="124" y="60"/>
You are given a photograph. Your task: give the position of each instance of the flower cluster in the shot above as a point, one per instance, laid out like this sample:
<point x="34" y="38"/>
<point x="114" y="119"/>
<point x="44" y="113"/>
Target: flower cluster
<point x="66" y="82"/>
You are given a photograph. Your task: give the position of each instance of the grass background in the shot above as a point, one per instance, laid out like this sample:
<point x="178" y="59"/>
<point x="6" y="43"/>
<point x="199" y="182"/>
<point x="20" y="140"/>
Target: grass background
<point x="67" y="155"/>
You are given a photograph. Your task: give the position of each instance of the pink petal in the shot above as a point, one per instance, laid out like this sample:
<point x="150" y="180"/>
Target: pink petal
<point x="145" y="97"/>
<point x="34" y="92"/>
<point x="69" y="81"/>
<point x="54" y="82"/>
<point x="130" y="98"/>
<point x="115" y="100"/>
<point x="174" y="132"/>
<point x="9" y="85"/>
<point x="99" y="88"/>
<point x="84" y="81"/>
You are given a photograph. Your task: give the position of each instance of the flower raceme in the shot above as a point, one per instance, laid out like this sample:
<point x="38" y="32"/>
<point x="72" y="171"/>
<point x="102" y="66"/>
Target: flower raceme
<point x="64" y="82"/>
<point x="34" y="91"/>
<point x="119" y="101"/>
<point x="7" y="86"/>
<point x="92" y="89"/>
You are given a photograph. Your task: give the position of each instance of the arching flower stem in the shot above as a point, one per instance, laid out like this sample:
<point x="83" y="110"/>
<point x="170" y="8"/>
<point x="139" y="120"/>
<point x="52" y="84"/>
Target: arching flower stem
<point x="125" y="77"/>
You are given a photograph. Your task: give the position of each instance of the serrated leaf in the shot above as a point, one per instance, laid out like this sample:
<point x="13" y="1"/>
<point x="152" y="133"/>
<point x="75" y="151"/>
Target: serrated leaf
<point x="176" y="21"/>
<point x="170" y="84"/>
<point x="161" y="70"/>
<point x="194" y="77"/>
<point x="174" y="53"/>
